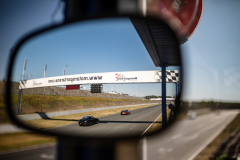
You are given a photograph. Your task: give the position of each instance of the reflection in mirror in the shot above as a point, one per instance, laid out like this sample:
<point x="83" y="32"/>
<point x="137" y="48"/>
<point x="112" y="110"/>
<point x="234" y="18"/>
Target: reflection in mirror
<point x="92" y="78"/>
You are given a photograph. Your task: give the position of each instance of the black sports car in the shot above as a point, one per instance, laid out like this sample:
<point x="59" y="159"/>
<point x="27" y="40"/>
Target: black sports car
<point x="125" y="112"/>
<point x="88" y="120"/>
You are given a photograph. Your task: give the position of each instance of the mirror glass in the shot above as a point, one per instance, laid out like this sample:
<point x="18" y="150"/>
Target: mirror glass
<point x="92" y="78"/>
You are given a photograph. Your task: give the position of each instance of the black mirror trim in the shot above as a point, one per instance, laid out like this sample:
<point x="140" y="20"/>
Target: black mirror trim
<point x="9" y="73"/>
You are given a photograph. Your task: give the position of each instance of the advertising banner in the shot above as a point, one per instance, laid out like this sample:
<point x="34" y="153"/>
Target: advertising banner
<point x="103" y="78"/>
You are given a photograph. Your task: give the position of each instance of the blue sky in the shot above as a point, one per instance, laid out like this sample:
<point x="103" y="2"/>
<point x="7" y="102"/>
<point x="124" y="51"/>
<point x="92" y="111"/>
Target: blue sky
<point x="104" y="45"/>
<point x="211" y="56"/>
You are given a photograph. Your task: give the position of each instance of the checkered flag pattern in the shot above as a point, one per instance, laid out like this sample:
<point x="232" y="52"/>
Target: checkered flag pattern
<point x="171" y="76"/>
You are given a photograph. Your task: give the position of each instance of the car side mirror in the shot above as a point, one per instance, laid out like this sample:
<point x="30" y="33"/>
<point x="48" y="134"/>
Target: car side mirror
<point x="59" y="74"/>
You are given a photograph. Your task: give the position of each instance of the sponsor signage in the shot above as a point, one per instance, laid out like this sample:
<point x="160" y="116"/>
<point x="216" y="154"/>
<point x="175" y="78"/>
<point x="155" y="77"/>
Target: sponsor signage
<point x="35" y="83"/>
<point x="102" y="78"/>
<point x="72" y="87"/>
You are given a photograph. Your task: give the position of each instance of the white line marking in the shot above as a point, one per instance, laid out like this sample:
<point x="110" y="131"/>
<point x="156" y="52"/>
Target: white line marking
<point x="117" y="126"/>
<point x="133" y="126"/>
<point x="176" y="136"/>
<point x="45" y="156"/>
<point x="194" y="136"/>
<point x="151" y="125"/>
<point x="161" y="149"/>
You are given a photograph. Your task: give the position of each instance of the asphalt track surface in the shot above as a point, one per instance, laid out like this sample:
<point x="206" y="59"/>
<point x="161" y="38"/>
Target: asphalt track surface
<point x="116" y="125"/>
<point x="183" y="141"/>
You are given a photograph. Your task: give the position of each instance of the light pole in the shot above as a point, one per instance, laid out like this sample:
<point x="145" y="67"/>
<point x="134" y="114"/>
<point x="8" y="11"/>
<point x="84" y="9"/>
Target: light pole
<point x="45" y="69"/>
<point x="24" y="67"/>
<point x="66" y="69"/>
<point x="122" y="88"/>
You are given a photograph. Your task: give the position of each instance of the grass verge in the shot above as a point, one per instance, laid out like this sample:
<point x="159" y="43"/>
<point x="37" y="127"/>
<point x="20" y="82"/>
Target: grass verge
<point x="52" y="103"/>
<point x="3" y="114"/>
<point x="181" y="116"/>
<point x="73" y="118"/>
<point x="20" y="140"/>
<point x="157" y="125"/>
<point x="204" y="155"/>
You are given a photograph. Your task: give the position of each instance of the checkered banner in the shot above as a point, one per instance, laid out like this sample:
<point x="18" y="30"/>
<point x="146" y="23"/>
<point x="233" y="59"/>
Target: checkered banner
<point x="171" y="76"/>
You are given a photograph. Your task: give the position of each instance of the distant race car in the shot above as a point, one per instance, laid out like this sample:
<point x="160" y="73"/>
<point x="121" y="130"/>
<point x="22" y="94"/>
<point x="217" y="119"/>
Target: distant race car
<point x="125" y="112"/>
<point x="88" y="120"/>
<point x="192" y="115"/>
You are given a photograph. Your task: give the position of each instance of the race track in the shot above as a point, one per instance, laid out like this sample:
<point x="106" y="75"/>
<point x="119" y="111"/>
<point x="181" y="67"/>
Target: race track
<point x="116" y="125"/>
